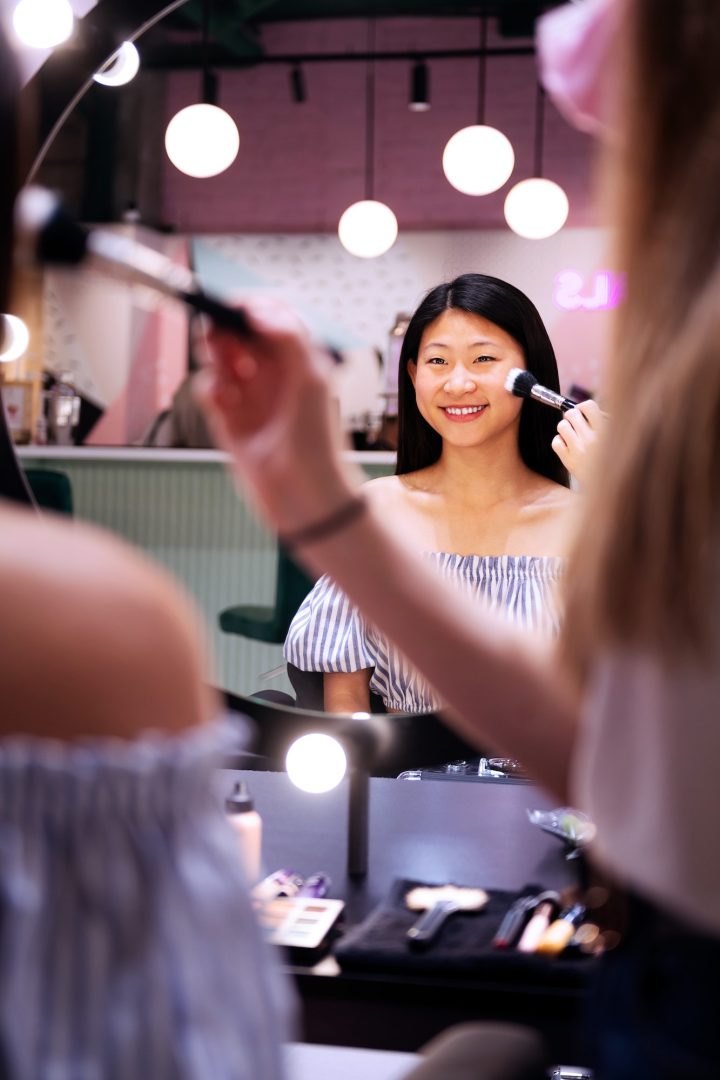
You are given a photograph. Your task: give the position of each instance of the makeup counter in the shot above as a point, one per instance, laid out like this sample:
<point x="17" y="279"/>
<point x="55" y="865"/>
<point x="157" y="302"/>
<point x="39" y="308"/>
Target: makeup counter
<point x="386" y="995"/>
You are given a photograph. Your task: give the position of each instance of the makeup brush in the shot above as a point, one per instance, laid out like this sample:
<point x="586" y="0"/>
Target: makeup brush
<point x="524" y="384"/>
<point x="47" y="235"/>
<point x="438" y="902"/>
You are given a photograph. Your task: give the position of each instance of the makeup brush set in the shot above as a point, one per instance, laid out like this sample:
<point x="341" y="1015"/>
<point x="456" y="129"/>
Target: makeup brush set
<point x="468" y="930"/>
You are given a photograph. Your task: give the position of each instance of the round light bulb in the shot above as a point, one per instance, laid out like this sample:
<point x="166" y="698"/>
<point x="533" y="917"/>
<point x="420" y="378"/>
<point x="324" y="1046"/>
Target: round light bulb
<point x="15" y="339"/>
<point x="202" y="140"/>
<point x="42" y="24"/>
<point x="316" y="763"/>
<point x="367" y="229"/>
<point x="536" y="208"/>
<point x="122" y="66"/>
<point x="478" y="159"/>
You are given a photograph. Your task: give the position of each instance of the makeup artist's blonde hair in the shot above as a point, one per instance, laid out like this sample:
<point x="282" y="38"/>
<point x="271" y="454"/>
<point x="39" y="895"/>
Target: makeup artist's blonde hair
<point x="645" y="564"/>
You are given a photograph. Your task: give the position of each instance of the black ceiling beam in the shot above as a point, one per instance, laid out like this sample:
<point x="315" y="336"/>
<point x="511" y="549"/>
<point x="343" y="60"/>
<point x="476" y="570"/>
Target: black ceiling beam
<point x="188" y="56"/>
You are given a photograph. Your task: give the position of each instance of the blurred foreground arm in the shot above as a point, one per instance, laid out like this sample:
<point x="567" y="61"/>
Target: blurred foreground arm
<point x="270" y="407"/>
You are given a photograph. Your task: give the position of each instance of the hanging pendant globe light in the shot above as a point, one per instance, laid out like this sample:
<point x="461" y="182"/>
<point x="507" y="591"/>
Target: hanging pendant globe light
<point x="202" y="140"/>
<point x="536" y="208"/>
<point x="368" y="228"/>
<point x="479" y="159"/>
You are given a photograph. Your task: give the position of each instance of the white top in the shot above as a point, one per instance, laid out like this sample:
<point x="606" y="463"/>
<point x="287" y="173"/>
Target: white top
<point x="129" y="946"/>
<point x="328" y="632"/>
<point x="647" y="770"/>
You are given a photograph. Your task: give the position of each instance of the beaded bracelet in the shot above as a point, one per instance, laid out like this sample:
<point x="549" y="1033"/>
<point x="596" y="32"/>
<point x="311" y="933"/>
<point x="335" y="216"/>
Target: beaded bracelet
<point x="321" y="530"/>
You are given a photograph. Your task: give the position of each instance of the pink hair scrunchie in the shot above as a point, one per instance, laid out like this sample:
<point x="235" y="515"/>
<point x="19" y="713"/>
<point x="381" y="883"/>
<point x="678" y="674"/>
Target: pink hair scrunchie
<point x="576" y="56"/>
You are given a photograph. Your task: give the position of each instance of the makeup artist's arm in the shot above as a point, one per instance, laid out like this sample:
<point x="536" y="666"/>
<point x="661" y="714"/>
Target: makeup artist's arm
<point x="271" y="409"/>
<point x="577" y="438"/>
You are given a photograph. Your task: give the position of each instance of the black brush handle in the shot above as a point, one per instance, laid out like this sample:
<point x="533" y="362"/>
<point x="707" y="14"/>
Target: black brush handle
<point x="228" y="318"/>
<point x="428" y="925"/>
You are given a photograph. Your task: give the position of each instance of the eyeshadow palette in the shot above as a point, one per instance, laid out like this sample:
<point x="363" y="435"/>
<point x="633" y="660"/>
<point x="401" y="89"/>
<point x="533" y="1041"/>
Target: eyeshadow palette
<point x="298" y="922"/>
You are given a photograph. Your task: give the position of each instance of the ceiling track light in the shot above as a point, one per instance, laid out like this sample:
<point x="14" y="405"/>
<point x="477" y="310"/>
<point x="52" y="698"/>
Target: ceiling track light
<point x="537" y="208"/>
<point x="297" y="84"/>
<point x="202" y="140"/>
<point x="478" y="160"/>
<point x="419" y="87"/>
<point x="368" y="228"/>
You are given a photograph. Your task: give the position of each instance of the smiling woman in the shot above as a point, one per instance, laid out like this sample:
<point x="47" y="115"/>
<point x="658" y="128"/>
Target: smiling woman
<point x="478" y="488"/>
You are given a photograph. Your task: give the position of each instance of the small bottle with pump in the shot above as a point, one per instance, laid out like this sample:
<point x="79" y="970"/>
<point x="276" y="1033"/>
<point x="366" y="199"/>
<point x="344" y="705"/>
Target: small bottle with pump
<point x="247" y="823"/>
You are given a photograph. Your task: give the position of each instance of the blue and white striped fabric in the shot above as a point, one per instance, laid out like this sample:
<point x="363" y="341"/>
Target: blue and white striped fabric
<point x="329" y="634"/>
<point x="128" y="945"/>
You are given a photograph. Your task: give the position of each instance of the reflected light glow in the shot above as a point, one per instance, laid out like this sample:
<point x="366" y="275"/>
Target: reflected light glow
<point x="15" y="339"/>
<point x="43" y="24"/>
<point x="122" y="66"/>
<point x="316" y="763"/>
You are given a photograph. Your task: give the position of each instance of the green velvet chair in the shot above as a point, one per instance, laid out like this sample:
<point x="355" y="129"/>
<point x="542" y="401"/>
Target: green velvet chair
<point x="271" y="624"/>
<point x="51" y="489"/>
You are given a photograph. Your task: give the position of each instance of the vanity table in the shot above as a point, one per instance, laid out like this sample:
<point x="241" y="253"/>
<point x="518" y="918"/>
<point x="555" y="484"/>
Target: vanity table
<point x="436" y="831"/>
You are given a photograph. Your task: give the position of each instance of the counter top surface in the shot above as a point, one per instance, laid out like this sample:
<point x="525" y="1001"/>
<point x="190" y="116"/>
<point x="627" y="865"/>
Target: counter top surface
<point x="166" y="455"/>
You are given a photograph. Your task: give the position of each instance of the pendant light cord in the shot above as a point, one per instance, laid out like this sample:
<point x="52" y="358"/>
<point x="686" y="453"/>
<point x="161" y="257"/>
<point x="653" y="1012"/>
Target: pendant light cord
<point x="482" y="70"/>
<point x="539" y="130"/>
<point x="370" y="113"/>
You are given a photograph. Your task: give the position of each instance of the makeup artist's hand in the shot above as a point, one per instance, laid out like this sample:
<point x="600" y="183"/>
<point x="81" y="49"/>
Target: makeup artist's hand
<point x="270" y="407"/>
<point x="576" y="441"/>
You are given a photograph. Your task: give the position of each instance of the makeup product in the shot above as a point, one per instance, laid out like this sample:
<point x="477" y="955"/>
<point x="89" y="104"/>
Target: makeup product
<point x="247" y="824"/>
<point x="47" y="234"/>
<point x="559" y="934"/>
<point x="317" y="885"/>
<point x="513" y="921"/>
<point x="438" y="902"/>
<point x="546" y="903"/>
<point x="279" y="883"/>
<point x="299" y="922"/>
<point x="524" y="384"/>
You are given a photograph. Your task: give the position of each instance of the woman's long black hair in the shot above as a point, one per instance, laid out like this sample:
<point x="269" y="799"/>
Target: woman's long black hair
<point x="419" y="445"/>
<point x="12" y="478"/>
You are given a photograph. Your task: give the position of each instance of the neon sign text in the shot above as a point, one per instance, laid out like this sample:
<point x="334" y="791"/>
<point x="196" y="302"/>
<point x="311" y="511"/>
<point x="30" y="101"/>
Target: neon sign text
<point x="604" y="291"/>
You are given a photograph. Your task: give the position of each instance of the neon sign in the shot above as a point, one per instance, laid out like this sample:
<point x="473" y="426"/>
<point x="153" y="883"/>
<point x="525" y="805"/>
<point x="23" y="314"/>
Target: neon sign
<point x="605" y="291"/>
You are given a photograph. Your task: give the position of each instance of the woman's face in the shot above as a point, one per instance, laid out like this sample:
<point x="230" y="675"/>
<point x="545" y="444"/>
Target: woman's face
<point x="459" y="378"/>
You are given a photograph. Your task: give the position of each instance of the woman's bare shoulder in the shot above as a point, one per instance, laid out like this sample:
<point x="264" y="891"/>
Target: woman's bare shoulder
<point x="97" y="640"/>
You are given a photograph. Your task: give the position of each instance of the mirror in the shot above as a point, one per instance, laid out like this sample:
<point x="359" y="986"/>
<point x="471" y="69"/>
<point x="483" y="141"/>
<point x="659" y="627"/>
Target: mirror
<point x="269" y="222"/>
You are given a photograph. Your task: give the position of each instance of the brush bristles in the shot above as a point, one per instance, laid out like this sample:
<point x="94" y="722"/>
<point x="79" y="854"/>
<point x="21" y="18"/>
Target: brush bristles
<point x="520" y="382"/>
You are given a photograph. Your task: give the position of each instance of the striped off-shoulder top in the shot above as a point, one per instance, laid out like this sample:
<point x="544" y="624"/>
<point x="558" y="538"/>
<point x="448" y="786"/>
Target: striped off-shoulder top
<point x="129" y="945"/>
<point x="329" y="634"/>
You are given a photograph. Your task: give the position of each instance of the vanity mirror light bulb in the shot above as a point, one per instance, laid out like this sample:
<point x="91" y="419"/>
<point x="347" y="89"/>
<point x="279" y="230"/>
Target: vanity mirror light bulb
<point x="316" y="763"/>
